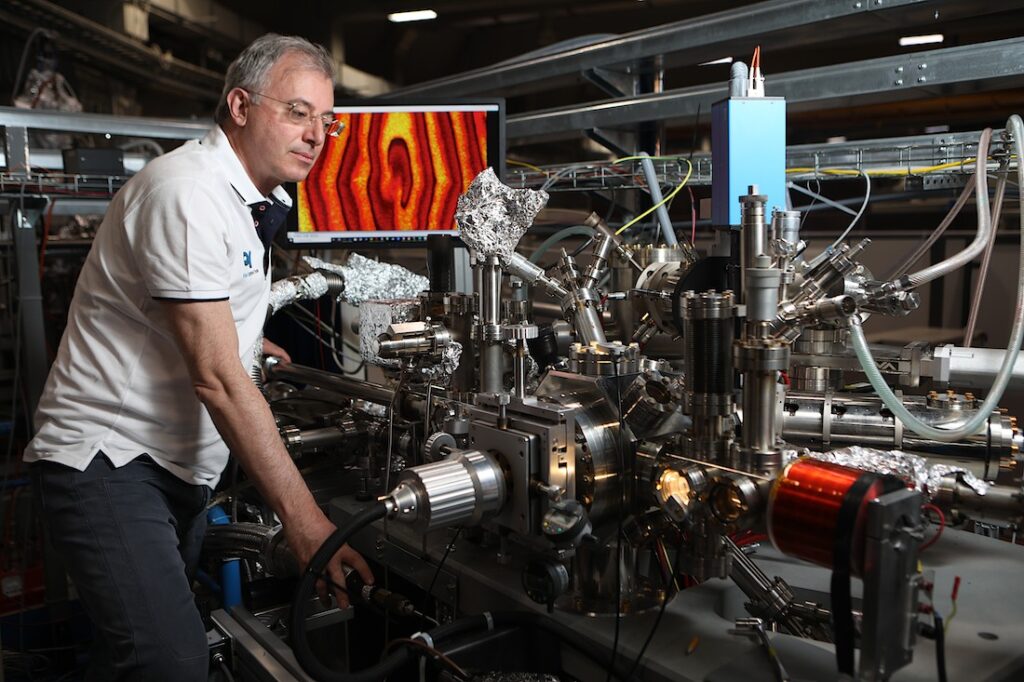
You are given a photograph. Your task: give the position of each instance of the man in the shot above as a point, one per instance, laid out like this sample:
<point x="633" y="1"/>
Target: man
<point x="150" y="389"/>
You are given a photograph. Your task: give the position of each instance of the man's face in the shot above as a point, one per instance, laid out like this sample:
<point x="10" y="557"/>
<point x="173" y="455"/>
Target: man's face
<point x="275" y="148"/>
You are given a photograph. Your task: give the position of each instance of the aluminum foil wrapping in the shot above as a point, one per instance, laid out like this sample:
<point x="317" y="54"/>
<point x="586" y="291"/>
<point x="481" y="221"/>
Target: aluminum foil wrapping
<point x="374" y="319"/>
<point x="493" y="217"/>
<point x="367" y="280"/>
<point x="912" y="468"/>
<point x="442" y="371"/>
<point x="300" y="288"/>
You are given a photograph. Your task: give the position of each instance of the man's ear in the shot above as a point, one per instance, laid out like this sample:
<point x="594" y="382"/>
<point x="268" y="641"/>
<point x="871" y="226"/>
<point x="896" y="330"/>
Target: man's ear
<point x="238" y="106"/>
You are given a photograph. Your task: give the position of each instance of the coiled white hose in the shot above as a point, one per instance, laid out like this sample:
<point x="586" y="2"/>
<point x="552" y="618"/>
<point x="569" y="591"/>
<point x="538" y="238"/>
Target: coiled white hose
<point x="995" y="394"/>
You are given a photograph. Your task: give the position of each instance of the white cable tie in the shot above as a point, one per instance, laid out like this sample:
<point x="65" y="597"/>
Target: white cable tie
<point x="490" y="620"/>
<point x="425" y="637"/>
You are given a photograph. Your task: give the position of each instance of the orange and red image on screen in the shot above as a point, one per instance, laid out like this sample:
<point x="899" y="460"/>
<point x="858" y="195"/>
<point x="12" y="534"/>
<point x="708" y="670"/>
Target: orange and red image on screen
<point x="394" y="171"/>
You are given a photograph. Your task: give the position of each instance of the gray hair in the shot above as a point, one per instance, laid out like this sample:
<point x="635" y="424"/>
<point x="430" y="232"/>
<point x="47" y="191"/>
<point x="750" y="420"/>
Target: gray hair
<point x="251" y="68"/>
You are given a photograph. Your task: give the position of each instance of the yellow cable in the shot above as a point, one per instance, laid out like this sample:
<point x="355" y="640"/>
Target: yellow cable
<point x="949" y="618"/>
<point x="886" y="172"/>
<point x="660" y="203"/>
<point x="652" y="158"/>
<point x="513" y="162"/>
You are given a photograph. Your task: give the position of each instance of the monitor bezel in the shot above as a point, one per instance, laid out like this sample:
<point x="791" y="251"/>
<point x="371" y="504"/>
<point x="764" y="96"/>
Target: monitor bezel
<point x="291" y="238"/>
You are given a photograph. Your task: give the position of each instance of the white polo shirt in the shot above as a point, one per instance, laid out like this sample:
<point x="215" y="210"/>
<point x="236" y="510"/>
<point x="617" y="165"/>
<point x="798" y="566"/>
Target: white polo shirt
<point x="180" y="229"/>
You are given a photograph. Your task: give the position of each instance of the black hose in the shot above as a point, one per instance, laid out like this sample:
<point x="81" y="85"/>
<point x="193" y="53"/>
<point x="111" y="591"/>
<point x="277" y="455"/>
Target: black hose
<point x="940" y="646"/>
<point x="307" y="585"/>
<point x="318" y="671"/>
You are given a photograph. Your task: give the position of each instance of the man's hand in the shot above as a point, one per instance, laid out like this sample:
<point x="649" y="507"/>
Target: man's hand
<point x="206" y="336"/>
<point x="272" y="349"/>
<point x="306" y="537"/>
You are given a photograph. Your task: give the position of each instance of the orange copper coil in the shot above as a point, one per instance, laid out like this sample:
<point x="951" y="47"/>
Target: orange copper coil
<point x="803" y="511"/>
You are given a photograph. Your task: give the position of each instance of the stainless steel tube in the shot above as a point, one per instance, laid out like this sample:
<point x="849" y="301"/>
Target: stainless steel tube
<point x="489" y="334"/>
<point x="336" y="383"/>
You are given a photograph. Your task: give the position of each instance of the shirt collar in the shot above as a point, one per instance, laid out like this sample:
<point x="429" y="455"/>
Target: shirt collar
<point x="218" y="144"/>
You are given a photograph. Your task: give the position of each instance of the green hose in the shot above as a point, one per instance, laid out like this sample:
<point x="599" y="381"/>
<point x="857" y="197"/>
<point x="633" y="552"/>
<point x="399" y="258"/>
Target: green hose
<point x="565" y="233"/>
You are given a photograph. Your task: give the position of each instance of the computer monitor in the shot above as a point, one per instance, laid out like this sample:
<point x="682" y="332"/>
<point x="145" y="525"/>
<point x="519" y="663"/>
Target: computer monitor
<point x="395" y="172"/>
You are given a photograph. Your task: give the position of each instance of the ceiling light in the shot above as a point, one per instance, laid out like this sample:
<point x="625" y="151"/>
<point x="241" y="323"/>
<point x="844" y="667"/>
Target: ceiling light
<point x="723" y="60"/>
<point x="907" y="41"/>
<point x="415" y="15"/>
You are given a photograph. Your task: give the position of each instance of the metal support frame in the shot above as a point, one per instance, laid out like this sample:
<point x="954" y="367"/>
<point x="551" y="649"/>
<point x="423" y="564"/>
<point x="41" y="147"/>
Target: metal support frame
<point x="889" y="627"/>
<point x="134" y="126"/>
<point x="897" y="77"/>
<point x="30" y="308"/>
<point x="899" y="155"/>
<point x="775" y="24"/>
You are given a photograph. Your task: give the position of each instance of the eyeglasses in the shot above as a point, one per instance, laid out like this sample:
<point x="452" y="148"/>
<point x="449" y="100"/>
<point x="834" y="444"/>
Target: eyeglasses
<point x="299" y="114"/>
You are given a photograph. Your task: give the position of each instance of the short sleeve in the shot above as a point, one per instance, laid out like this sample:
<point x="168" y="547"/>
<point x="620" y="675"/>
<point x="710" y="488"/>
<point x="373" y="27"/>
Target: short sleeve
<point x="178" y="234"/>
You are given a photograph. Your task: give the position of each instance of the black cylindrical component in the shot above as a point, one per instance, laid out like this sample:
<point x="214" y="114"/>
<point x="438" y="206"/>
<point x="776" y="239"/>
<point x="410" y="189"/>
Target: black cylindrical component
<point x="708" y="335"/>
<point x="441" y="262"/>
<point x="544" y="348"/>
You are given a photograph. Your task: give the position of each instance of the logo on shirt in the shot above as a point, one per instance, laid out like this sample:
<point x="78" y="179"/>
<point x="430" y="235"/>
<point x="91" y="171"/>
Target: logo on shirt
<point x="247" y="259"/>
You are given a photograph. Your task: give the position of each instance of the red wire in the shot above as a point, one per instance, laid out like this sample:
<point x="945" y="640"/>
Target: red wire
<point x="942" y="524"/>
<point x="755" y="61"/>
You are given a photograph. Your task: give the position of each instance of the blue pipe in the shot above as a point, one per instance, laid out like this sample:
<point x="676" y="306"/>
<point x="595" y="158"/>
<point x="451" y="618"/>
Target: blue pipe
<point x="231" y="569"/>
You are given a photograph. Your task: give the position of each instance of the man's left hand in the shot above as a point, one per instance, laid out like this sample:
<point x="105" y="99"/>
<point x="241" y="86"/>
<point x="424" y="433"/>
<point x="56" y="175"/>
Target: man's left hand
<point x="274" y="350"/>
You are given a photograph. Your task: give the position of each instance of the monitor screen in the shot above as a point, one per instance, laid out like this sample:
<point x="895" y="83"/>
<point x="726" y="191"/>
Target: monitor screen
<point x="395" y="172"/>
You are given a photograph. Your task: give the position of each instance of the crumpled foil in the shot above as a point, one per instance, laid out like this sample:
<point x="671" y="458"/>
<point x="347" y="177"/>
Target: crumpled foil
<point x="443" y="370"/>
<point x="374" y="319"/>
<point x="367" y="280"/>
<point x="911" y="468"/>
<point x="306" y="287"/>
<point x="493" y="217"/>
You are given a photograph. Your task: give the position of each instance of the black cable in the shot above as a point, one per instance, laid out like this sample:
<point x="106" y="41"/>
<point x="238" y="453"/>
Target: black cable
<point x="666" y="585"/>
<point x="317" y="670"/>
<point x="437" y="572"/>
<point x="307" y="586"/>
<point x="940" y="646"/>
<point x="225" y="670"/>
<point x="618" y="534"/>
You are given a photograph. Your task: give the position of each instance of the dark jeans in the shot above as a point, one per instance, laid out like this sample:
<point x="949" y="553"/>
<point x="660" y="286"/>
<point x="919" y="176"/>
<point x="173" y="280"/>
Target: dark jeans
<point x="130" y="538"/>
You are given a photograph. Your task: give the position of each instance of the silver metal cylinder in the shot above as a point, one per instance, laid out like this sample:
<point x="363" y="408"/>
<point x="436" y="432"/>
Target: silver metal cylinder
<point x="786" y="226"/>
<point x="753" y="235"/>
<point x="519" y="366"/>
<point x="976" y="367"/>
<point x="329" y="381"/>
<point x="461" y="489"/>
<point x="762" y="295"/>
<point x="598" y="263"/>
<point x="833" y="420"/>
<point x="1000" y="504"/>
<point x="759" y="405"/>
<point x="532" y="273"/>
<point x="761" y="360"/>
<point x="582" y="306"/>
<point x="490" y="294"/>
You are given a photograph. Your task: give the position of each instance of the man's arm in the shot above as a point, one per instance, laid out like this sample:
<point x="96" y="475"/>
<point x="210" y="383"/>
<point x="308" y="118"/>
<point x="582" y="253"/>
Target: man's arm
<point x="208" y="341"/>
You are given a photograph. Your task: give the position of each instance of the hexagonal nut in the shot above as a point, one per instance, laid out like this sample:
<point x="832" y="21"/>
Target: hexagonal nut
<point x="504" y="398"/>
